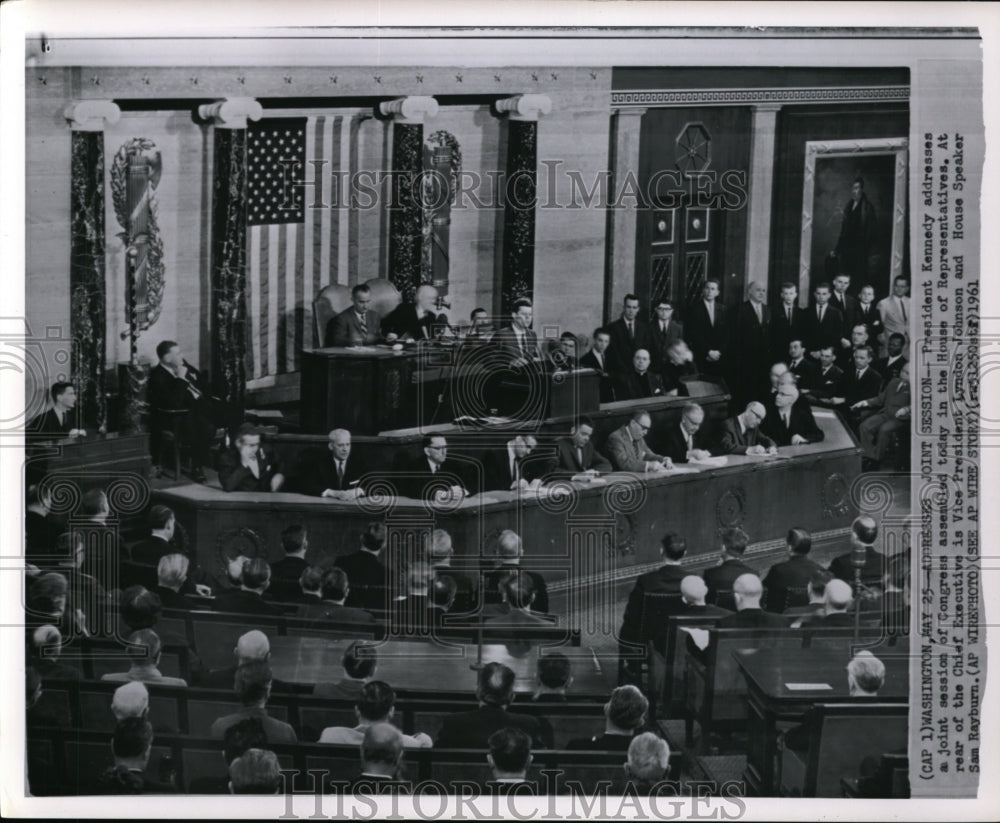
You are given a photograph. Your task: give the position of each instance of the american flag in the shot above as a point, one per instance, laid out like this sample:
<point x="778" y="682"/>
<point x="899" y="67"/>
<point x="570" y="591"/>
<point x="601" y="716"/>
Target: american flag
<point x="293" y="250"/>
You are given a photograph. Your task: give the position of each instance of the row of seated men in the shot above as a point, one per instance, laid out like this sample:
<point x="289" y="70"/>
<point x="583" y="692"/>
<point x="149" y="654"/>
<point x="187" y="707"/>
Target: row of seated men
<point x="793" y="593"/>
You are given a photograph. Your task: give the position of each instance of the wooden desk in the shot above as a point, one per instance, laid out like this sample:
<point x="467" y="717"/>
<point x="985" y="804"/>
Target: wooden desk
<point x="317" y="659"/>
<point x="767" y="674"/>
<point x="574" y="538"/>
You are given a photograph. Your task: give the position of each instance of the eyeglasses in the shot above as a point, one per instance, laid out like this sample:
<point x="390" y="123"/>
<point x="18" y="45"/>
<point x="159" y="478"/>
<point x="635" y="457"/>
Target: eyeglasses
<point x="642" y="427"/>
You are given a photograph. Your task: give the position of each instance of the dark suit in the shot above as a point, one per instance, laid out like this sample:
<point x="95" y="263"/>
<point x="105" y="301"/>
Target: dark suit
<point x="871" y="319"/>
<point x="167" y="392"/>
<point x="846" y="307"/>
<point x="465" y="589"/>
<point x="721" y="578"/>
<point x="345" y="329"/>
<point x="663" y="340"/>
<point x="589" y="361"/>
<point x="752" y="342"/>
<point x="568" y="463"/>
<point x="734" y="441"/>
<point x="367" y="578"/>
<point x="48" y="423"/>
<point x="497" y="475"/>
<point x="753" y="619"/>
<point x="602" y="743"/>
<point x="888" y="371"/>
<point x="285" y="575"/>
<point x="871" y="573"/>
<point x="634" y="386"/>
<point x="837" y="620"/>
<point x="795" y="572"/>
<point x="623" y="346"/>
<point x="783" y="331"/>
<point x="875" y="431"/>
<point x="317" y="472"/>
<point x="324" y="612"/>
<point x="704" y="336"/>
<point x="508" y="349"/>
<point x="674" y="377"/>
<point x="404" y="323"/>
<point x="855" y="390"/>
<point x="174" y="600"/>
<point x="664" y="580"/>
<point x="801" y="422"/>
<point x="237" y="600"/>
<point x="491" y="586"/>
<point x="806" y="373"/>
<point x="676" y="446"/>
<point x="419" y="481"/>
<point x="827" y="332"/>
<point x="235" y="477"/>
<point x="828" y="384"/>
<point x="472" y="730"/>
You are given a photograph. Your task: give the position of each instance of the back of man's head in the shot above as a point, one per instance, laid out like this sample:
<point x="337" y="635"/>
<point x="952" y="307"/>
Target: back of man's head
<point x="799" y="541"/>
<point x="253" y="682"/>
<point x="510" y="751"/>
<point x="144" y="647"/>
<point x="335" y="584"/>
<point x="496" y="684"/>
<point x="674" y="546"/>
<point x="627" y="708"/>
<point x="444" y="590"/>
<point x="139" y="607"/>
<point x="256" y="771"/>
<point x="374" y="537"/>
<point x="837" y="596"/>
<point x="293" y="538"/>
<point x="439" y="545"/>
<point x="866" y="671"/>
<point x="520" y="590"/>
<point x="311" y="579"/>
<point x="132" y="738"/>
<point x="735" y="541"/>
<point x="508" y="545"/>
<point x="554" y="670"/>
<point x="172" y="569"/>
<point x="376" y="701"/>
<point x="648" y="758"/>
<point x="130" y="700"/>
<point x="382" y="745"/>
<point x="747" y="590"/>
<point x="359" y="660"/>
<point x="94" y="502"/>
<point x="247" y="734"/>
<point x="817" y="584"/>
<point x="865" y="530"/>
<point x="159" y="516"/>
<point x="694" y="590"/>
<point x="46" y="642"/>
<point x="256" y="573"/>
<point x="251" y="646"/>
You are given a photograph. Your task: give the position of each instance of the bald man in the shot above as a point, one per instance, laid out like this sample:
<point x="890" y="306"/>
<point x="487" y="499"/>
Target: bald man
<point x="333" y="472"/>
<point x="742" y="435"/>
<point x="747" y="591"/>
<point x="639" y="382"/>
<point x="837" y="599"/>
<point x="694" y="590"/>
<point x="381" y="760"/>
<point x="789" y="424"/>
<point x="252" y="647"/>
<point x="418" y="320"/>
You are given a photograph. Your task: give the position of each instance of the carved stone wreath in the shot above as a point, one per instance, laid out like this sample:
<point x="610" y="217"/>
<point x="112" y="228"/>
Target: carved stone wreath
<point x="835" y="496"/>
<point x="730" y="508"/>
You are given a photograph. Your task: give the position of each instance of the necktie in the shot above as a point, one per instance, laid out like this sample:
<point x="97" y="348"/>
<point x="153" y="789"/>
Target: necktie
<point x="902" y="308"/>
<point x="340" y="472"/>
<point x="859" y="374"/>
<point x="364" y="324"/>
<point x="663" y="328"/>
<point x="600" y="359"/>
<point x="784" y="417"/>
<point x="756" y="310"/>
<point x="788" y="314"/>
<point x="631" y="332"/>
<point x="687" y="438"/>
<point x="819" y="313"/>
<point x="711" y="313"/>
<point x="524" y="347"/>
<point x="579" y="457"/>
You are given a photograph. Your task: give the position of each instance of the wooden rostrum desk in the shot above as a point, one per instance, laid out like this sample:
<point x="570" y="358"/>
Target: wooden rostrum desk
<point x="568" y="537"/>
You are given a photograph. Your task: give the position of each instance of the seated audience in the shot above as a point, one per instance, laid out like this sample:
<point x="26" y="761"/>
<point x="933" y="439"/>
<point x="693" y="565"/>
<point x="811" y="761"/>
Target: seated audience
<point x="60" y="420"/>
<point x="358" y="324"/>
<point x="790" y="424"/>
<point x="677" y="368"/>
<point x="803" y="369"/>
<point x="359" y="663"/>
<point x="519" y="595"/>
<point x="576" y="454"/>
<point x="686" y="441"/>
<point x="47" y="605"/>
<point x="43" y="654"/>
<point x="381" y="761"/>
<point x="310" y="588"/>
<point x="891" y="409"/>
<point x="495" y="691"/>
<point x="793" y="573"/>
<point x="828" y="381"/>
<point x="331" y="608"/>
<point x="440" y="552"/>
<point x="742" y="435"/>
<point x="628" y="450"/>
<point x="597" y="359"/>
<point x="331" y="472"/>
<point x="247" y="466"/>
<point x="253" y="688"/>
<point x="144" y="649"/>
<point x="509" y="552"/>
<point x="624" y="715"/>
<point x="130" y="700"/>
<point x="639" y="382"/>
<point x="864" y="533"/>
<point x="816" y="591"/>
<point x="511" y="468"/>
<point x="443" y="594"/>
<point x="376" y="704"/>
<point x="664" y="580"/>
<point x="285" y="573"/>
<point x="890" y="365"/>
<point x="647" y="764"/>
<point x="240" y="737"/>
<point x="249" y="597"/>
<point x="747" y="591"/>
<point x="720" y="578"/>
<point x="41" y="531"/>
<point x="412" y="611"/>
<point x="366" y="573"/>
<point x="162" y="525"/>
<point x="859" y="339"/>
<point x="837" y="598"/>
<point x="859" y="383"/>
<point x="88" y="600"/>
<point x="171" y="575"/>
<point x="256" y="771"/>
<point x="509" y="757"/>
<point x="131" y="746"/>
<point x="693" y="600"/>
<point x="253" y="646"/>
<point x="553" y="678"/>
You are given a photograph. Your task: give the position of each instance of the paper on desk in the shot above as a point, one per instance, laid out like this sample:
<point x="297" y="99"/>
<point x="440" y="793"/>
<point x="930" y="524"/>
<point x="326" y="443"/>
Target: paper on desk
<point x="710" y="462"/>
<point x="809" y="687"/>
<point x="699" y="636"/>
<point x="679" y="470"/>
<point x="589" y="479"/>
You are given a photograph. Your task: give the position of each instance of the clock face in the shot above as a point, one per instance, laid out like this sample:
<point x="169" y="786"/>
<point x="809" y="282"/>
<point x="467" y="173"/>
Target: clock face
<point x="693" y="150"/>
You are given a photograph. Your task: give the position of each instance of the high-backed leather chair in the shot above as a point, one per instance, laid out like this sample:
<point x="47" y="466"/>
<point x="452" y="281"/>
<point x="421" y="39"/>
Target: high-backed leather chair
<point x="331" y="301"/>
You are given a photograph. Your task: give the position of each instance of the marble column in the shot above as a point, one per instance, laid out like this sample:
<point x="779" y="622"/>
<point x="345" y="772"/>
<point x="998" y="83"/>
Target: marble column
<point x="622" y="217"/>
<point x="88" y="291"/>
<point x="520" y="186"/>
<point x="405" y="205"/>
<point x="765" y="117"/>
<point x="228" y="256"/>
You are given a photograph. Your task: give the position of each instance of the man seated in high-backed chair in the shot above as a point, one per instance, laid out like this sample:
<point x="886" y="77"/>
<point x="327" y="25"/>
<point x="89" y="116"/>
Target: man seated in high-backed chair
<point x="357" y="325"/>
<point x="417" y="320"/>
